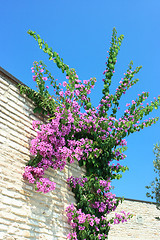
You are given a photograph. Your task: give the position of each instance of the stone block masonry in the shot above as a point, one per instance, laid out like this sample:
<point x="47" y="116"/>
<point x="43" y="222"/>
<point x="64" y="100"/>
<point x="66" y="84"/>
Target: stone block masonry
<point x="26" y="214"/>
<point x="143" y="226"/>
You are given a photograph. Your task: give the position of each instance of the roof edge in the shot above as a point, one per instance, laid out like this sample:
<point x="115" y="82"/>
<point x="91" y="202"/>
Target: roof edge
<point x="136" y="200"/>
<point x="10" y="76"/>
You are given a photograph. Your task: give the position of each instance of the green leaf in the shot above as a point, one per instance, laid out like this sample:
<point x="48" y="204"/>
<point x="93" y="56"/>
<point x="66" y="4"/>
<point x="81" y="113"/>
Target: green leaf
<point x="88" y="105"/>
<point x="38" y="110"/>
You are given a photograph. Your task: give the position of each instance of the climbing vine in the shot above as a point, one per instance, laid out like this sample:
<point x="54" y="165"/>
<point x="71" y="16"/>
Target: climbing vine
<point x="78" y="131"/>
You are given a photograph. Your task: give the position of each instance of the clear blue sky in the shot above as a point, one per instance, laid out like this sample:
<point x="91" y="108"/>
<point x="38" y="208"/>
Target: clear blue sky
<point x="80" y="31"/>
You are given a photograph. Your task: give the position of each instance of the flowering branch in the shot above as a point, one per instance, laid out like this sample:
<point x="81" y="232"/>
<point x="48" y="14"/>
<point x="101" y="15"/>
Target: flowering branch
<point x="93" y="137"/>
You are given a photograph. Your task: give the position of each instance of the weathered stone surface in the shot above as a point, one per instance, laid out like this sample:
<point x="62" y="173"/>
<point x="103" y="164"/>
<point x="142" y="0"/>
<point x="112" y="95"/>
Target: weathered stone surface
<point x="24" y="213"/>
<point x="144" y="225"/>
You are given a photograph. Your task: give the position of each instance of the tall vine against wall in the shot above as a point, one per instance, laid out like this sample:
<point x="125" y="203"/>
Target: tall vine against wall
<point x="94" y="137"/>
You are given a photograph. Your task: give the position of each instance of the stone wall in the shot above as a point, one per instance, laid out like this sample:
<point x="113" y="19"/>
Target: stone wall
<point x="26" y="214"/>
<point x="143" y="226"/>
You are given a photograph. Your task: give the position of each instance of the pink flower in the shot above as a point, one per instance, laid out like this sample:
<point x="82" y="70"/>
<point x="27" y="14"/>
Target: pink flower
<point x="77" y="92"/>
<point x="61" y="93"/>
<point x="99" y="190"/>
<point x="64" y="84"/>
<point x="44" y="78"/>
<point x="85" y="81"/>
<point x="81" y="228"/>
<point x="109" y="224"/>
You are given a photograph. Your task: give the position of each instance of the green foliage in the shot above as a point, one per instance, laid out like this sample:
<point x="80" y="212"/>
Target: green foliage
<point x="44" y="102"/>
<point x="104" y="133"/>
<point x="155" y="185"/>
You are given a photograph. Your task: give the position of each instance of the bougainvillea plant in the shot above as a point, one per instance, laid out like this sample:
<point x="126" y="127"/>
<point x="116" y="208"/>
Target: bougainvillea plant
<point x="78" y="131"/>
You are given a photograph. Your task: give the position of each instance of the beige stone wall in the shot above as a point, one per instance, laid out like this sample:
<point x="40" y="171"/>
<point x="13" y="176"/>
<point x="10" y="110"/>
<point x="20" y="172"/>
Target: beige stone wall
<point x="143" y="226"/>
<point x="26" y="214"/>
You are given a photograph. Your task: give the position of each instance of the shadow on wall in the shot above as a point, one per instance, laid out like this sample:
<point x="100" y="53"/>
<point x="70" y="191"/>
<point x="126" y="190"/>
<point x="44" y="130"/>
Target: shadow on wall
<point x="46" y="212"/>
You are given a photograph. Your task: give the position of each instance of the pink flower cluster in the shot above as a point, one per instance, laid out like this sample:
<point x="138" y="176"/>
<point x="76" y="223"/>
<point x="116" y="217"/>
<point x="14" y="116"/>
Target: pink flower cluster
<point x="104" y="201"/>
<point x="74" y="181"/>
<point x="107" y="202"/>
<point x="77" y="89"/>
<point x="82" y="221"/>
<point x="76" y="218"/>
<point x="123" y="217"/>
<point x="35" y="175"/>
<point x="53" y="147"/>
